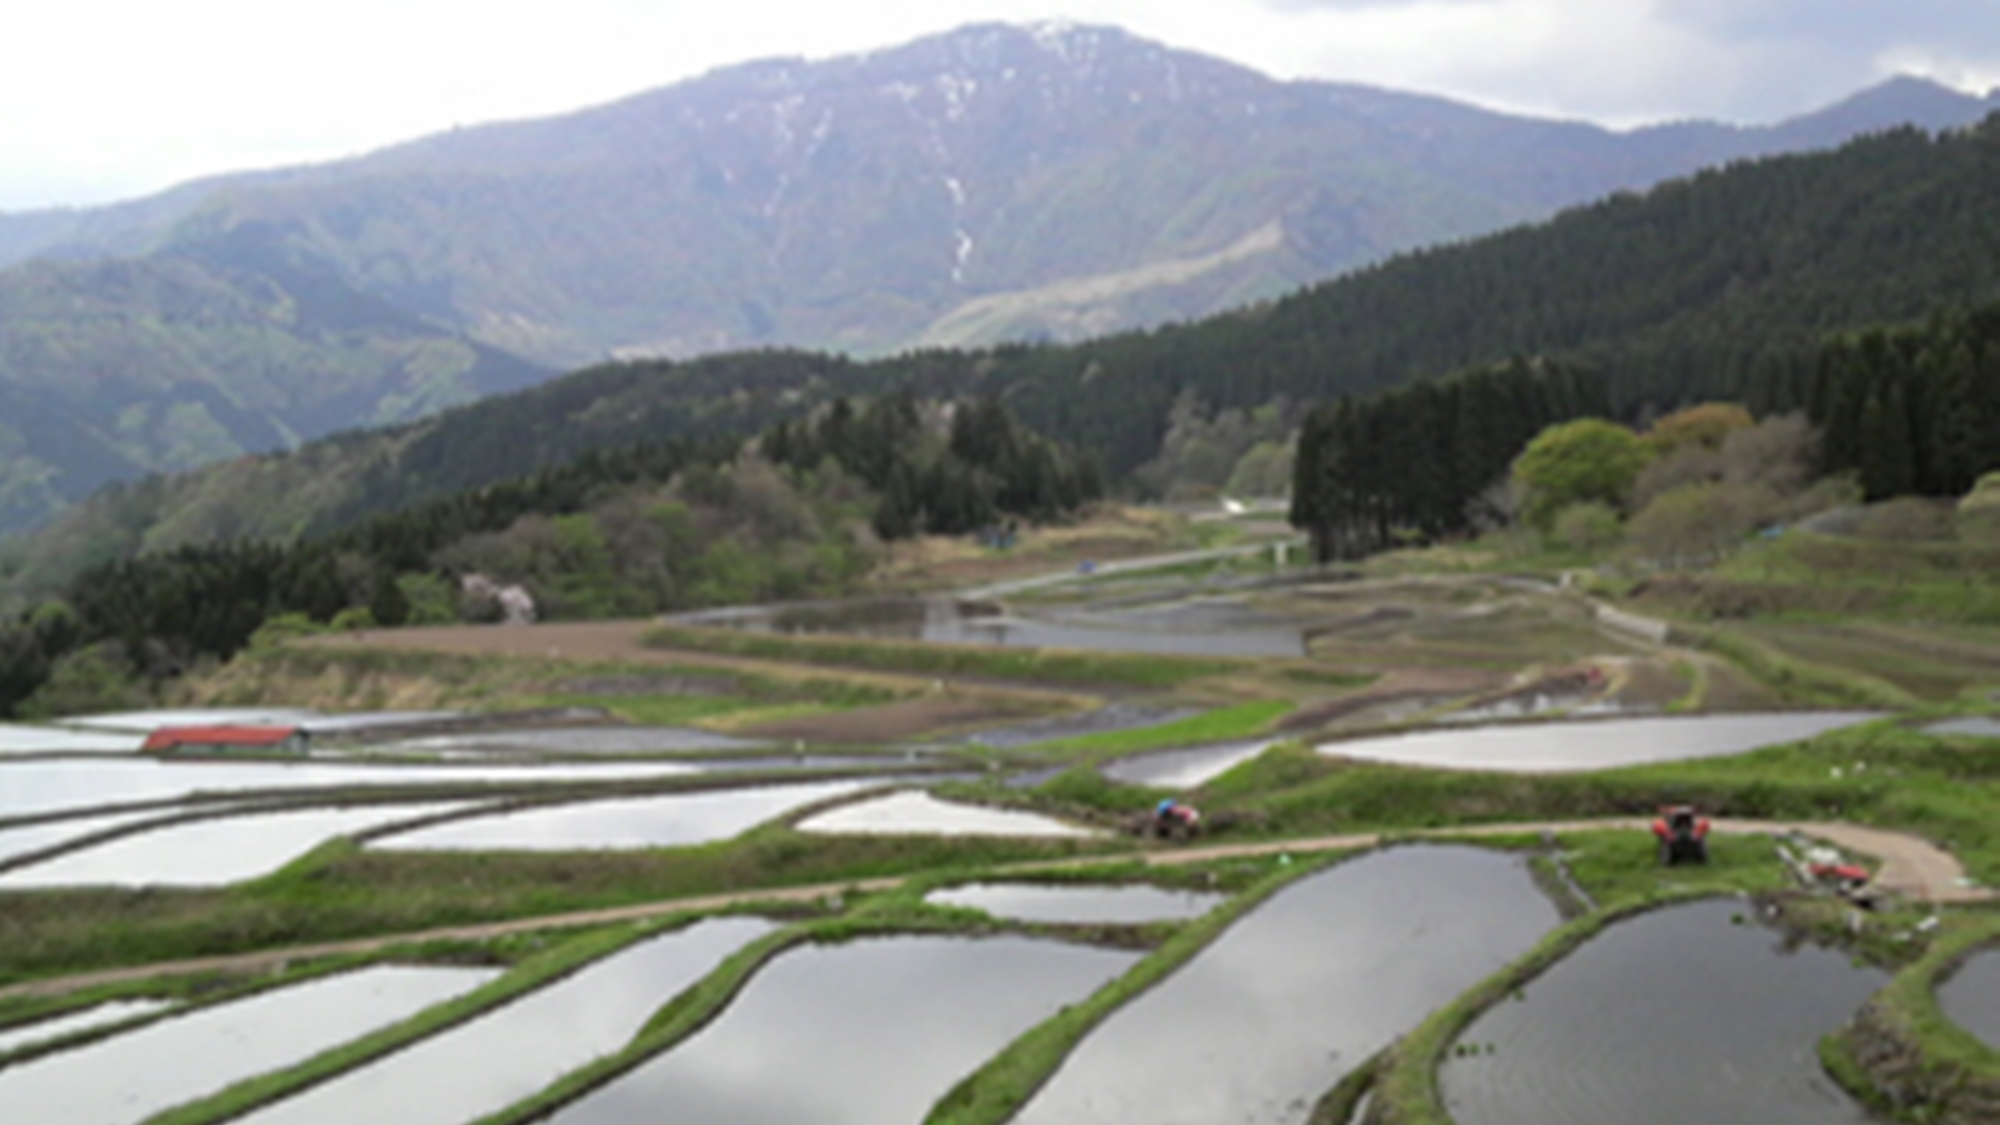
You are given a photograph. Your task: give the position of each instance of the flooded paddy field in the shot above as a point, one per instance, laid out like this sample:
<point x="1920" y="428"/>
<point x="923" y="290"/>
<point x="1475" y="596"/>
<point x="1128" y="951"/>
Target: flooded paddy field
<point x="1970" y="998"/>
<point x="56" y="1027"/>
<point x="133" y="1075"/>
<point x="24" y="839"/>
<point x="1689" y="1013"/>
<point x="918" y="813"/>
<point x="1302" y="990"/>
<point x="452" y="1077"/>
<point x="1079" y="904"/>
<point x="862" y="1033"/>
<point x="1978" y="726"/>
<point x="86" y="784"/>
<point x="666" y="820"/>
<point x="1592" y="745"/>
<point x="1110" y="717"/>
<point x="1185" y="767"/>
<point x="209" y="852"/>
<point x="18" y="739"/>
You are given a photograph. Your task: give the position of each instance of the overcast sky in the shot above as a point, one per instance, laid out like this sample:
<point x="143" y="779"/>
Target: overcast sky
<point x="104" y="99"/>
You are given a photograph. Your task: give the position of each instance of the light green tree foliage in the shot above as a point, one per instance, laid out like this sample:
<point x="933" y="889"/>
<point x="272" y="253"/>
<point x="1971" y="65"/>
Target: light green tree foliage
<point x="1575" y="462"/>
<point x="745" y="531"/>
<point x="1265" y="471"/>
<point x="1202" y="450"/>
<point x="1589" y="527"/>
<point x="88" y="681"/>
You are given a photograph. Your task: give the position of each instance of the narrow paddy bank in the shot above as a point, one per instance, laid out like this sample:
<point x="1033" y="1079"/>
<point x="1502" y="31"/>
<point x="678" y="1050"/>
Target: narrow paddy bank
<point x="1906" y="1058"/>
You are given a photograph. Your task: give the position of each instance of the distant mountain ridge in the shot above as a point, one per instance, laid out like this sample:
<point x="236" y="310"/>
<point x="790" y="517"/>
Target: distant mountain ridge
<point x="870" y="202"/>
<point x="988" y="184"/>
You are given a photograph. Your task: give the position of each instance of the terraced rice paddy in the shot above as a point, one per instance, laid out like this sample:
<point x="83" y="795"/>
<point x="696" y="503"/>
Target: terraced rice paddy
<point x="129" y="1077"/>
<point x="858" y="1034"/>
<point x="1289" y="999"/>
<point x="453" y="1077"/>
<point x="1690" y="1013"/>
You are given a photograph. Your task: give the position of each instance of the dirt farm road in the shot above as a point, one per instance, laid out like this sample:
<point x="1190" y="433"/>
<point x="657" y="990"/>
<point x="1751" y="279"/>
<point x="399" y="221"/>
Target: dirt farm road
<point x="1910" y="867"/>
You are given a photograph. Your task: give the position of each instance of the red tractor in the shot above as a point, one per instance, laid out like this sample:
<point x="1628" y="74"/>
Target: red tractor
<point x="1683" y="835"/>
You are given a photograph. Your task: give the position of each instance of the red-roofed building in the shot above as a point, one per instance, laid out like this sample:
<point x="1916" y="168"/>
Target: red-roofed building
<point x="226" y="740"/>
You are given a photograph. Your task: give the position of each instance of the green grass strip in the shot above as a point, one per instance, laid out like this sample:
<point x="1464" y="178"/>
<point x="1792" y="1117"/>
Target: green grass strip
<point x="1050" y="666"/>
<point x="996" y="1091"/>
<point x="1903" y="1057"/>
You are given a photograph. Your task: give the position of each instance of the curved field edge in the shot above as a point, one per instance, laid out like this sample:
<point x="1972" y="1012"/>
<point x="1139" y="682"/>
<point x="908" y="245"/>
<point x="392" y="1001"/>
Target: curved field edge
<point x="533" y="972"/>
<point x="997" y="1090"/>
<point x="901" y="911"/>
<point x="1405" y="1087"/>
<point x="1905" y="1058"/>
<point x="184" y="995"/>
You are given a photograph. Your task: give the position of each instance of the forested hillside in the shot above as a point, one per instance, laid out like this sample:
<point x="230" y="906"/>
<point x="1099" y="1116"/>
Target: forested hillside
<point x="1721" y="286"/>
<point x="650" y="528"/>
<point x="1718" y="287"/>
<point x="112" y="369"/>
<point x="995" y="183"/>
<point x="1892" y="412"/>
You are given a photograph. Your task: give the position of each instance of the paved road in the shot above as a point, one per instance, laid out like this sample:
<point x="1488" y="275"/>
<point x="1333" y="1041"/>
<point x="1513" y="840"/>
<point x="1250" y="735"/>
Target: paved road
<point x="1910" y="867"/>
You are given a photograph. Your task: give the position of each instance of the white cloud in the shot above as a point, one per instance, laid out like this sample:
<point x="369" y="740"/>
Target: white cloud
<point x="111" y="97"/>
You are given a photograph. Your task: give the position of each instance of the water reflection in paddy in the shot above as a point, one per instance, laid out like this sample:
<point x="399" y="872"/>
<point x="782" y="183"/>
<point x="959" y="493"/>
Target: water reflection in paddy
<point x="1575" y="747"/>
<point x="100" y="1015"/>
<point x="1971" y="998"/>
<point x="452" y="1077"/>
<point x="17" y="738"/>
<point x="1184" y="768"/>
<point x="130" y="1077"/>
<point x="866" y="1033"/>
<point x="1110" y="717"/>
<point x="52" y="785"/>
<point x="208" y="852"/>
<point x="634" y="822"/>
<point x="34" y="837"/>
<point x="1978" y="726"/>
<point x="920" y="814"/>
<point x="1691" y="1013"/>
<point x="1033" y="902"/>
<point x="1267" y="1018"/>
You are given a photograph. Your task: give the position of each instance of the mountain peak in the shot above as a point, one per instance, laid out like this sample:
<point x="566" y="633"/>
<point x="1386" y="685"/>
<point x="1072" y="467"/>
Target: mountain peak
<point x="1898" y="100"/>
